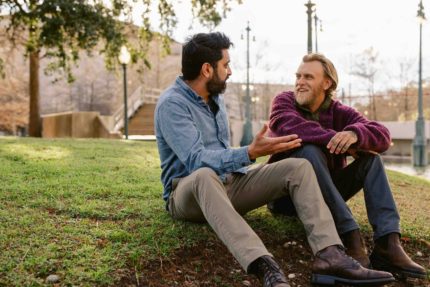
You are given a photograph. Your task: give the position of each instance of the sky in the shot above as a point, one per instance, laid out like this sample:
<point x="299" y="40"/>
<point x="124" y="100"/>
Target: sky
<point x="390" y="27"/>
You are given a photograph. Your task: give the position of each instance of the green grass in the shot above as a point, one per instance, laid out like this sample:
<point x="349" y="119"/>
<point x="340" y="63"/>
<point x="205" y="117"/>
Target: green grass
<point x="91" y="210"/>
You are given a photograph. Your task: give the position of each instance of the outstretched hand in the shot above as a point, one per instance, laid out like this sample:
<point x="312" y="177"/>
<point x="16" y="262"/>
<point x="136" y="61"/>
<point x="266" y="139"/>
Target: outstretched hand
<point x="263" y="145"/>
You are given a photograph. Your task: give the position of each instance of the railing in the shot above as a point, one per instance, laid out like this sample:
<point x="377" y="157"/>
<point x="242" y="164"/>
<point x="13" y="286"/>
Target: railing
<point x="139" y="97"/>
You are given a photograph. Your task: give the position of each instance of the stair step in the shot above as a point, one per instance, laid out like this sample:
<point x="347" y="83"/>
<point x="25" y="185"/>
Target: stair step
<point x="142" y="121"/>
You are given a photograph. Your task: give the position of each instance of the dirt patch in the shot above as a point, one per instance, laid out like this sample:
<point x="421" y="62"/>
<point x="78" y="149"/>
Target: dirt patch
<point x="210" y="264"/>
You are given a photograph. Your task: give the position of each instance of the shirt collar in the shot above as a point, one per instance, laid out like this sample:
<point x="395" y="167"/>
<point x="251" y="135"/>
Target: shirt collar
<point x="315" y="115"/>
<point x="191" y="93"/>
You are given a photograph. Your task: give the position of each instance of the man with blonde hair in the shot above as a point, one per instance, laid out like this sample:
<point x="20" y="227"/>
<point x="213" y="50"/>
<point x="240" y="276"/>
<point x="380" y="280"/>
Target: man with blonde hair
<point x="330" y="132"/>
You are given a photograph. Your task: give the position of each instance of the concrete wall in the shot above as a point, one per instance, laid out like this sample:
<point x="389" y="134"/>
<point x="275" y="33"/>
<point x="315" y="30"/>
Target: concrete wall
<point x="403" y="148"/>
<point x="76" y="125"/>
<point x="402" y="137"/>
<point x="400" y="147"/>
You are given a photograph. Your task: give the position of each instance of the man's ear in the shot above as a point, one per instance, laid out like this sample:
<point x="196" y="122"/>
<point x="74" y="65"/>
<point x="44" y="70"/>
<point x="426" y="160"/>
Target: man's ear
<point x="206" y="70"/>
<point x="327" y="84"/>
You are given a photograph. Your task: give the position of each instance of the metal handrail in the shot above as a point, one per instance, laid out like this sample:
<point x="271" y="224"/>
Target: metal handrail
<point x="139" y="97"/>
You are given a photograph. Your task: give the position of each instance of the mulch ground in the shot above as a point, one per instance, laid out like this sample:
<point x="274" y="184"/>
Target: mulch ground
<point x="210" y="264"/>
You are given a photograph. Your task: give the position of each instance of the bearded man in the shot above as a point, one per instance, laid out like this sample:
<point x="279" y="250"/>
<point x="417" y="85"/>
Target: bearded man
<point x="330" y="131"/>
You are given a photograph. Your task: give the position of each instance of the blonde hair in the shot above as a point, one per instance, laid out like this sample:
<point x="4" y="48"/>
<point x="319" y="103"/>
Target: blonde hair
<point x="329" y="70"/>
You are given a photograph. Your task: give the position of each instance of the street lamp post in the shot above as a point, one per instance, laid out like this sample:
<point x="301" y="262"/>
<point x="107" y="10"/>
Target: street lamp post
<point x="309" y="5"/>
<point x="247" y="127"/>
<point x="419" y="146"/>
<point x="124" y="59"/>
<point x="316" y="32"/>
<point x="317" y="21"/>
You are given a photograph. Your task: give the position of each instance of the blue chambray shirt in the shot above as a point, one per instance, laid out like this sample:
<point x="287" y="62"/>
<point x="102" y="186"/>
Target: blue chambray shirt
<point x="189" y="136"/>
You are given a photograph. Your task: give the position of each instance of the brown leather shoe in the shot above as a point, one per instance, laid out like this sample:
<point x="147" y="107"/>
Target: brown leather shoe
<point x="269" y="272"/>
<point x="333" y="266"/>
<point x="389" y="255"/>
<point x="355" y="247"/>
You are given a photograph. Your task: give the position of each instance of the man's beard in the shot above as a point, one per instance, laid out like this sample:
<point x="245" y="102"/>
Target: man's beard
<point x="306" y="99"/>
<point x="215" y="85"/>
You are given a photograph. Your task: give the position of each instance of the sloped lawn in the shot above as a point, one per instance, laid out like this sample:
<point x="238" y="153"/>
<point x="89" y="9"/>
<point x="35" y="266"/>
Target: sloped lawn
<point x="90" y="211"/>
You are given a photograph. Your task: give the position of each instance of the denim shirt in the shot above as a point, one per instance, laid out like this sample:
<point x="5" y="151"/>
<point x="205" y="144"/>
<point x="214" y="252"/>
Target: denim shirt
<point x="190" y="136"/>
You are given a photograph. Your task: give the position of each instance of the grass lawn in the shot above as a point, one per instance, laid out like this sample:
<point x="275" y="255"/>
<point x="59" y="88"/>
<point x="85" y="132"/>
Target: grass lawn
<point x="91" y="211"/>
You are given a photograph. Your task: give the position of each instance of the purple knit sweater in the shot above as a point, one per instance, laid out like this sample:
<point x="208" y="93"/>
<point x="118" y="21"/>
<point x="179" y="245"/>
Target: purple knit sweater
<point x="286" y="118"/>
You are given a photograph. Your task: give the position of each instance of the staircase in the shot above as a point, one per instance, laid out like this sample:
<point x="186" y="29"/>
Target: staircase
<point x="141" y="106"/>
<point x="142" y="122"/>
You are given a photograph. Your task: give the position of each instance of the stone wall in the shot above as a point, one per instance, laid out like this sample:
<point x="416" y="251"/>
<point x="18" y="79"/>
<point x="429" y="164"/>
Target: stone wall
<point x="76" y="125"/>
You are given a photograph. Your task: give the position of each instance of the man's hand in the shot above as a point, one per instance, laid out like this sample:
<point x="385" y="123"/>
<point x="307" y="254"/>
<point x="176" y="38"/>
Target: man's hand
<point x="262" y="145"/>
<point x="341" y="142"/>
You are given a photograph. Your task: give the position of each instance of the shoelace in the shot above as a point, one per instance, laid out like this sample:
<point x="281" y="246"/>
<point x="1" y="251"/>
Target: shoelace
<point x="272" y="274"/>
<point x="343" y="253"/>
<point x="355" y="262"/>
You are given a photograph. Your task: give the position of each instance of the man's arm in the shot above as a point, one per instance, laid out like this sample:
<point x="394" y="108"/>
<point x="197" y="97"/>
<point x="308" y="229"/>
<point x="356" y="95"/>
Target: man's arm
<point x="285" y="119"/>
<point x="182" y="136"/>
<point x="371" y="135"/>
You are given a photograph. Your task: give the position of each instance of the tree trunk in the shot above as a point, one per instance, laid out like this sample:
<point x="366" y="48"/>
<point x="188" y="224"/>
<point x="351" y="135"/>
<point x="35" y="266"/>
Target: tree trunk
<point x="34" y="129"/>
<point x="374" y="108"/>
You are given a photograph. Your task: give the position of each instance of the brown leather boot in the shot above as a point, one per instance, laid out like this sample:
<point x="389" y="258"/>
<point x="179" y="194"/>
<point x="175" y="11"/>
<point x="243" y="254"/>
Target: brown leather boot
<point x="333" y="266"/>
<point x="389" y="255"/>
<point x="269" y="272"/>
<point x="355" y="247"/>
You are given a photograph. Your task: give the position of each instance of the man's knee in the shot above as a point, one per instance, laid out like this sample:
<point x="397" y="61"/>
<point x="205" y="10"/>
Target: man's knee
<point x="371" y="161"/>
<point x="299" y="166"/>
<point x="204" y="174"/>
<point x="310" y="152"/>
<point x="304" y="168"/>
<point x="377" y="159"/>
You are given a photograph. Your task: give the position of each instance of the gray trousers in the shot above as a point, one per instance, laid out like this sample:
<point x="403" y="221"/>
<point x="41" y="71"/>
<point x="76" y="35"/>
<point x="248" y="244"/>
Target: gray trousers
<point x="202" y="196"/>
<point x="367" y="173"/>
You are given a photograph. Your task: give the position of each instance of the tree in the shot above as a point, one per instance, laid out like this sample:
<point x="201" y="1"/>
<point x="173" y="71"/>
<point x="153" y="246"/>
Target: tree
<point x="13" y="90"/>
<point x="58" y="30"/>
<point x="405" y="67"/>
<point x="365" y="67"/>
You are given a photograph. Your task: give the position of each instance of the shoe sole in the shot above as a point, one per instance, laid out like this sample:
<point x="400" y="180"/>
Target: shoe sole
<point x="319" y="279"/>
<point x="379" y="263"/>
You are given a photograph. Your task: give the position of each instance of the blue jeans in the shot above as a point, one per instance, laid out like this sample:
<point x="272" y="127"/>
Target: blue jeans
<point x="367" y="173"/>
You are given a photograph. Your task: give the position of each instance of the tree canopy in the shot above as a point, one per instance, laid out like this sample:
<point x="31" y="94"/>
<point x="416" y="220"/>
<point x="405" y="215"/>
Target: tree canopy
<point x="59" y="29"/>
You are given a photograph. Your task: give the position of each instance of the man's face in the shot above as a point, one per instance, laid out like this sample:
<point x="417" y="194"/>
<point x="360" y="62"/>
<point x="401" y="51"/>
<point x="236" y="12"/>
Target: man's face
<point x="218" y="83"/>
<point x="311" y="85"/>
